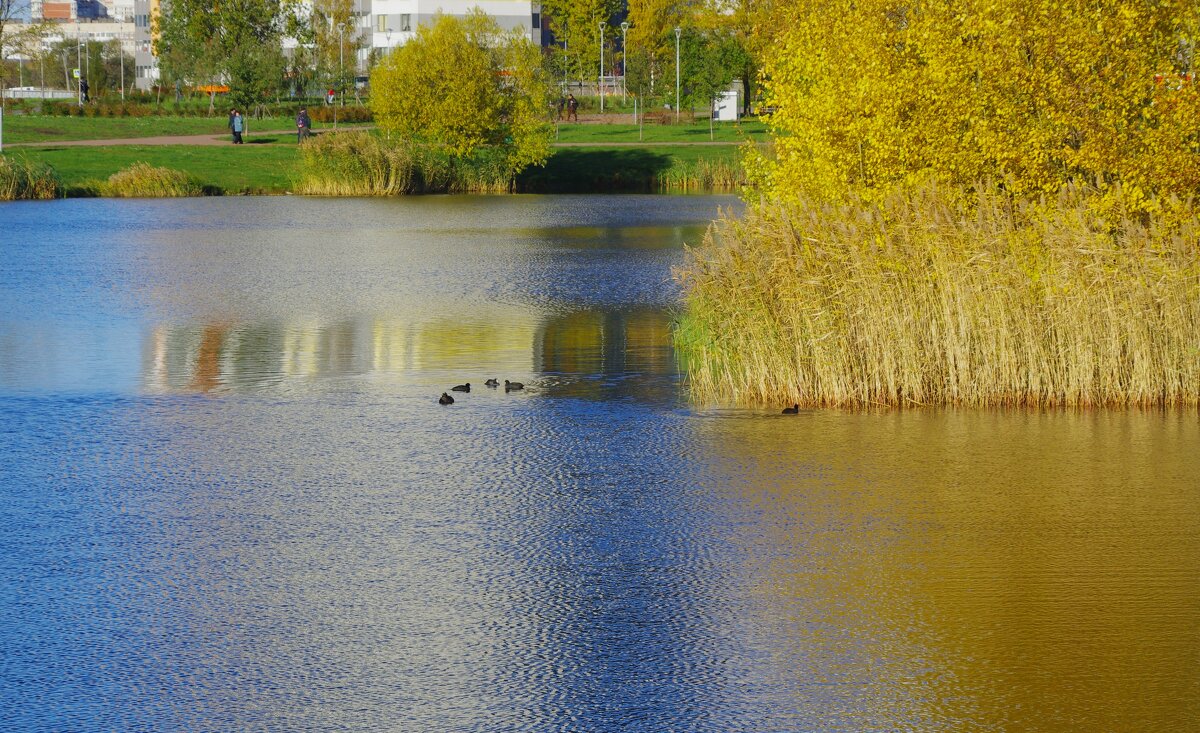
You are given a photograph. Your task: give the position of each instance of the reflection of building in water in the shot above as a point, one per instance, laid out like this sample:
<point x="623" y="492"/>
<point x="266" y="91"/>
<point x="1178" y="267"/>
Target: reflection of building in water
<point x="205" y="357"/>
<point x="580" y="346"/>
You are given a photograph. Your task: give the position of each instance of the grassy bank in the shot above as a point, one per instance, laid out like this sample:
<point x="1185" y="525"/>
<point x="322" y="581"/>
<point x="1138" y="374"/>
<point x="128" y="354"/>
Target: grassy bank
<point x="642" y="169"/>
<point x="22" y="178"/>
<point x="918" y="301"/>
<point x="359" y="164"/>
<point x="221" y="169"/>
<point x="271" y="164"/>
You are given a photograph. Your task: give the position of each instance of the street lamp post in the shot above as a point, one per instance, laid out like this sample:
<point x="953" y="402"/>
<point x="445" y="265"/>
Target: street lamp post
<point x="624" y="57"/>
<point x="678" y="32"/>
<point x="79" y="62"/>
<point x="121" y="53"/>
<point x="600" y="88"/>
<point x="341" y="64"/>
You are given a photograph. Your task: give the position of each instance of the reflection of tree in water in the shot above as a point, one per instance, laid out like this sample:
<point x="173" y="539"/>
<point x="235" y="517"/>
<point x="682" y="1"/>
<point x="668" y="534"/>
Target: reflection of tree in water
<point x="595" y="354"/>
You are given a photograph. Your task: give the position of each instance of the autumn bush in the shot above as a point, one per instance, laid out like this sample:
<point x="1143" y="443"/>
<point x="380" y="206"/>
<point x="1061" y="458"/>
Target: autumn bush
<point x="872" y="95"/>
<point x="460" y="86"/>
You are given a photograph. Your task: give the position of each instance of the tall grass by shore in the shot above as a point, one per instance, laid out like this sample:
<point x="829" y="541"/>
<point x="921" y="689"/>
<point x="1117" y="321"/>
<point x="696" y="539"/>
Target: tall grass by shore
<point x="25" y="179"/>
<point x="142" y="180"/>
<point x="703" y="175"/>
<point x="359" y="163"/>
<point x="917" y="301"/>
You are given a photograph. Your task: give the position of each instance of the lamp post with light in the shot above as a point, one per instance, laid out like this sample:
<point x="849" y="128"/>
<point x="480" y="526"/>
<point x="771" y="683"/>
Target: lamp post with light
<point x="624" y="56"/>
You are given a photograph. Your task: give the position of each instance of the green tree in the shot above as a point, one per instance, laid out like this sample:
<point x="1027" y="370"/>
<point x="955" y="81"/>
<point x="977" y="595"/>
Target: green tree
<point x="235" y="42"/>
<point x="576" y="27"/>
<point x="461" y="85"/>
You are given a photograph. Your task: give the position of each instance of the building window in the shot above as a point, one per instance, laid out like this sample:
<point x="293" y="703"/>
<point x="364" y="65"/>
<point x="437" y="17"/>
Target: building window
<point x="381" y="24"/>
<point x="406" y="22"/>
<point x="537" y="20"/>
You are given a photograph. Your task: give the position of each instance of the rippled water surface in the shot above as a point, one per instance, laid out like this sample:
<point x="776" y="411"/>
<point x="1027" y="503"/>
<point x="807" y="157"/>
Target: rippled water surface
<point x="230" y="502"/>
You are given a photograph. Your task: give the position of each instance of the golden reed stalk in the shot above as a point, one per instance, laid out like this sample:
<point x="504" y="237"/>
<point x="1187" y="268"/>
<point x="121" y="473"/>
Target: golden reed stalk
<point x="919" y="301"/>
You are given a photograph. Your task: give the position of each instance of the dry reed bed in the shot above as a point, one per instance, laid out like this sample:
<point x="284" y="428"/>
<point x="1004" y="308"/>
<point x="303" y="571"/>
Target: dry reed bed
<point x="917" y="301"/>
<point x="142" y="180"/>
<point x="24" y="179"/>
<point x="361" y="164"/>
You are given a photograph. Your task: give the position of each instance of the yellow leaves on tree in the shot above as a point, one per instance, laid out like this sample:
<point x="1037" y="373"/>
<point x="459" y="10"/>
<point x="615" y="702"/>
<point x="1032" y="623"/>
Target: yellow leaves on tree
<point x="871" y="94"/>
<point x="461" y="84"/>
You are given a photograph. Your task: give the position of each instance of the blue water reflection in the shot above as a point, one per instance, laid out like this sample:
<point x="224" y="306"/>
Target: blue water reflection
<point x="229" y="500"/>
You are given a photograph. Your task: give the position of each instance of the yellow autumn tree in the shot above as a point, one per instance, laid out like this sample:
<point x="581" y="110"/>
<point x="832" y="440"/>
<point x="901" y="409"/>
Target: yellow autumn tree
<point x="461" y="85"/>
<point x="871" y="94"/>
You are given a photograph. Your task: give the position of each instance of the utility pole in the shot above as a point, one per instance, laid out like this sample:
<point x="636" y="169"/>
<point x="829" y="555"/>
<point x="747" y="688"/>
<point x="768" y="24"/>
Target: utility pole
<point x="600" y="88"/>
<point x="79" y="62"/>
<point x="678" y="32"/>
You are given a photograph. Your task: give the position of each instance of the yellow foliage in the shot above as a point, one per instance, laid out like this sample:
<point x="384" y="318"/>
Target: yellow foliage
<point x="872" y="94"/>
<point x="462" y="84"/>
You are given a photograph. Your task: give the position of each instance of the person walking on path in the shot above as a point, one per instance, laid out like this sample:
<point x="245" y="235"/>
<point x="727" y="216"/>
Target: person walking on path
<point x="303" y="125"/>
<point x="572" y="108"/>
<point x="232" y="112"/>
<point x="238" y="126"/>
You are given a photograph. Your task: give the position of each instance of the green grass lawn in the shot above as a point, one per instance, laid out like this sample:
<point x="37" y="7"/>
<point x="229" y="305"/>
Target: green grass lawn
<point x="267" y="164"/>
<point x="230" y="169"/>
<point x="55" y="128"/>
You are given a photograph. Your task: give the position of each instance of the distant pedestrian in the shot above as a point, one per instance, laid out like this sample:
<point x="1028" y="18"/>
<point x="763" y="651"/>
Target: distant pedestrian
<point x="572" y="108"/>
<point x="229" y="124"/>
<point x="83" y="90"/>
<point x="303" y="125"/>
<point x="238" y="126"/>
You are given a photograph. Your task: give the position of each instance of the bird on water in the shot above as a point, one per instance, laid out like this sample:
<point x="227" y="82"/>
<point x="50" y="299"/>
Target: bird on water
<point x="462" y="388"/>
<point x="492" y="382"/>
<point x="510" y="386"/>
<point x="445" y="399"/>
<point x="794" y="409"/>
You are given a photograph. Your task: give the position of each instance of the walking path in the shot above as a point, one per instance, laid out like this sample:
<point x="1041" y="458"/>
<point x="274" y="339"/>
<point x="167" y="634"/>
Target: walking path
<point x="223" y="139"/>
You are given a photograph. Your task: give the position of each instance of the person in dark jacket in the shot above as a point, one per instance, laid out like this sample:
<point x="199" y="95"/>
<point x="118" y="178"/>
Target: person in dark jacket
<point x="303" y="125"/>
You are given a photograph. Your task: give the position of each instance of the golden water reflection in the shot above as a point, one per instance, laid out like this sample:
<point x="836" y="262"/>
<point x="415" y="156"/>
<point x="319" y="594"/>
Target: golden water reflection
<point x="975" y="570"/>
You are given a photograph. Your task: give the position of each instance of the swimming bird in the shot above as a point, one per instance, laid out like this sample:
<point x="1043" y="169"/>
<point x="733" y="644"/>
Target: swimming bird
<point x="445" y="399"/>
<point x="510" y="386"/>
<point x="462" y="388"/>
<point x="794" y="409"/>
<point x="492" y="382"/>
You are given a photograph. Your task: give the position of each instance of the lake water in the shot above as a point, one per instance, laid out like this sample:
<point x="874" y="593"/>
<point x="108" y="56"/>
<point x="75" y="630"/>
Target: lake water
<point x="229" y="500"/>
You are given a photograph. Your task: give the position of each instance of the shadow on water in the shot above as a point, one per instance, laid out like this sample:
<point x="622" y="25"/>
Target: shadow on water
<point x="579" y="170"/>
